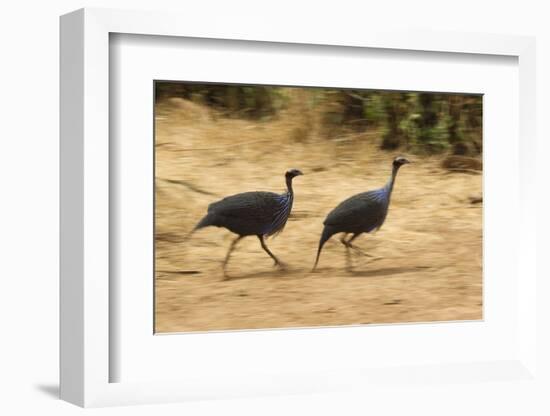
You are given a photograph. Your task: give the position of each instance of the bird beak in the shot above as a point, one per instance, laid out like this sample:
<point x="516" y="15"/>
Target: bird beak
<point x="299" y="173"/>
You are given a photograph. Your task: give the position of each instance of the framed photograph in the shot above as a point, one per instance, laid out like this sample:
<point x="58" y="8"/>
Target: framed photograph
<point x="261" y="214"/>
<point x="212" y="138"/>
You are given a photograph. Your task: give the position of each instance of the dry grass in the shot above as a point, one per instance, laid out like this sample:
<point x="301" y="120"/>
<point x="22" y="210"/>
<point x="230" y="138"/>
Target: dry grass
<point x="430" y="266"/>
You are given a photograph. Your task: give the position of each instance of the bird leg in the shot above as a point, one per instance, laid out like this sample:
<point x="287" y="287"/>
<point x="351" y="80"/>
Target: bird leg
<point x="277" y="261"/>
<point x="231" y="248"/>
<point x="343" y="239"/>
<point x="357" y="249"/>
<point x="349" y="245"/>
<point x="349" y="266"/>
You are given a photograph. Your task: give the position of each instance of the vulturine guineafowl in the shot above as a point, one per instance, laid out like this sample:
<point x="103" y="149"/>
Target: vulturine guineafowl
<point x="257" y="213"/>
<point x="361" y="213"/>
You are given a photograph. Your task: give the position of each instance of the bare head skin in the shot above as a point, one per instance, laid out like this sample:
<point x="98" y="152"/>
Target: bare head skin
<point x="400" y="161"/>
<point x="291" y="173"/>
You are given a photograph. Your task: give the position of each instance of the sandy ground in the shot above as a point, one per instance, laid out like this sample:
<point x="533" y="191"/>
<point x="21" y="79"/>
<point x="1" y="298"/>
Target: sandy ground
<point x="429" y="265"/>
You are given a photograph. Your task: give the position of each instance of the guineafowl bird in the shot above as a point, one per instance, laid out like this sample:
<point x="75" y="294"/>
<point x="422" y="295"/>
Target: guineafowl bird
<point x="262" y="214"/>
<point x="361" y="213"/>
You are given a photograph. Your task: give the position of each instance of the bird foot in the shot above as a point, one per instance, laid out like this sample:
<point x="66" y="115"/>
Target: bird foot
<point x="281" y="265"/>
<point x="373" y="259"/>
<point x="363" y="253"/>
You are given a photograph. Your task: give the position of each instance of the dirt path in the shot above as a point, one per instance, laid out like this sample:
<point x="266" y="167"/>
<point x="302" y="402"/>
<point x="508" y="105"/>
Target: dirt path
<point x="429" y="249"/>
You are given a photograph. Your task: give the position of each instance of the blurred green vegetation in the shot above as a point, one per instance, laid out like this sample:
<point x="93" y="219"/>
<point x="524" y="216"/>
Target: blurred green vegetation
<point x="423" y="123"/>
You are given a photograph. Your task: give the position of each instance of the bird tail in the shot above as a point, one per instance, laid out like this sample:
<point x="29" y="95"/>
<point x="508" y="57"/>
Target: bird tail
<point x="327" y="233"/>
<point x="207" y="221"/>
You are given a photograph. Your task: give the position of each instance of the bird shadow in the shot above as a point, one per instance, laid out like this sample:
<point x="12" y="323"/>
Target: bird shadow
<point x="386" y="271"/>
<point x="51" y="390"/>
<point x="175" y="274"/>
<point x="275" y="273"/>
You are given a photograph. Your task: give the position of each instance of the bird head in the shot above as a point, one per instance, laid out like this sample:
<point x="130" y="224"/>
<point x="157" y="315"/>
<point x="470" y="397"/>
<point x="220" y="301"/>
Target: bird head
<point x="400" y="161"/>
<point x="291" y="173"/>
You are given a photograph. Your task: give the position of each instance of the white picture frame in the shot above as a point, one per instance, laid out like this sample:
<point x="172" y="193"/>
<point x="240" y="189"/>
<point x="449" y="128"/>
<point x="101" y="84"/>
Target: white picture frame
<point x="85" y="220"/>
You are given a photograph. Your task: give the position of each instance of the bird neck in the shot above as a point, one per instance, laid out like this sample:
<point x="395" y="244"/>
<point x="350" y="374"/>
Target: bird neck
<point x="289" y="186"/>
<point x="391" y="181"/>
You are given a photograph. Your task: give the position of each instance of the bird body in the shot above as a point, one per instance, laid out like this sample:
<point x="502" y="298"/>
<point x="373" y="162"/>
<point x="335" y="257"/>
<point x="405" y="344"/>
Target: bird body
<point x="250" y="213"/>
<point x="258" y="213"/>
<point x="362" y="213"/>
